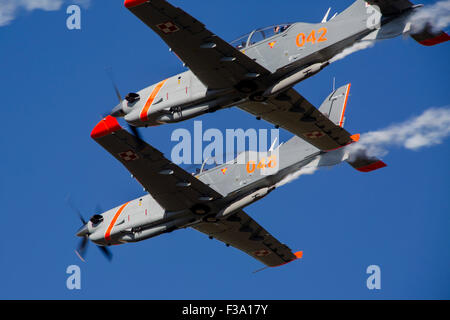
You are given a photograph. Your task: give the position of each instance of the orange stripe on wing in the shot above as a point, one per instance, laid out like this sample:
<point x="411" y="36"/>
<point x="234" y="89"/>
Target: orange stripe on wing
<point x="341" y="121"/>
<point x="144" y="112"/>
<point x="113" y="221"/>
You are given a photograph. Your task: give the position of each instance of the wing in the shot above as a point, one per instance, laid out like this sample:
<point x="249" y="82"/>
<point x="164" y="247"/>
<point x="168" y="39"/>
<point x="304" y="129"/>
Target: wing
<point x="172" y="187"/>
<point x="294" y="113"/>
<point x="215" y="62"/>
<point x="244" y="233"/>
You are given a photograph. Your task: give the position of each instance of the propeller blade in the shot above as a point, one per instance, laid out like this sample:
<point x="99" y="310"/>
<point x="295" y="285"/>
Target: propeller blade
<point x="116" y="89"/>
<point x="106" y="252"/>
<point x="98" y="209"/>
<point x="82" y="247"/>
<point x="105" y="114"/>
<point x="77" y="211"/>
<point x="135" y="132"/>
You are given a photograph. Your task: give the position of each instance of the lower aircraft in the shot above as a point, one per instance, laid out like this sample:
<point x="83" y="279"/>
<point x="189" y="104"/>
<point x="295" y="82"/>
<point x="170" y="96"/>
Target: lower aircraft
<point x="212" y="201"/>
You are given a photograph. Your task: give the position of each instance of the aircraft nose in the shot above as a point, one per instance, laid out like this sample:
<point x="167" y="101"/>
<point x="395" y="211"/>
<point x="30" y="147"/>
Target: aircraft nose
<point x="83" y="231"/>
<point x="117" y="111"/>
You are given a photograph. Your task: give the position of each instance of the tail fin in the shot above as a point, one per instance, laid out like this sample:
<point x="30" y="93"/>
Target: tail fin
<point x="374" y="10"/>
<point x="334" y="108"/>
<point x="386" y="7"/>
<point x="335" y="104"/>
<point x="357" y="9"/>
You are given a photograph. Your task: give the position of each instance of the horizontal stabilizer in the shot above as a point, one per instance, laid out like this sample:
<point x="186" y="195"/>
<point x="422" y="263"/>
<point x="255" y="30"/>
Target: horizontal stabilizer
<point x="364" y="163"/>
<point x="430" y="38"/>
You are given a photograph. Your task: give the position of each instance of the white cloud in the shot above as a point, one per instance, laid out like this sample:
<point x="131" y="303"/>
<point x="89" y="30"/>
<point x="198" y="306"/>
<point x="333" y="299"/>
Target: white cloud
<point x="358" y="46"/>
<point x="10" y="8"/>
<point x="47" y="5"/>
<point x="436" y="15"/>
<point x="309" y="169"/>
<point x="428" y="129"/>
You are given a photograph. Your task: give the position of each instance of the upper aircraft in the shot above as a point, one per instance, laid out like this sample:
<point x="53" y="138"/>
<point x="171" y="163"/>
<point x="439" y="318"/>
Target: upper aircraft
<point x="257" y="72"/>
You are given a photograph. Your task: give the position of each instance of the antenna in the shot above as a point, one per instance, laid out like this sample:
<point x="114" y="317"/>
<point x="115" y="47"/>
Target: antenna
<point x="334" y="84"/>
<point x="325" y="18"/>
<point x="273" y="145"/>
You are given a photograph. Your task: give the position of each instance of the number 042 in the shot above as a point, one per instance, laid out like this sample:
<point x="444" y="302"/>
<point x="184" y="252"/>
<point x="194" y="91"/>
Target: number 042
<point x="313" y="37"/>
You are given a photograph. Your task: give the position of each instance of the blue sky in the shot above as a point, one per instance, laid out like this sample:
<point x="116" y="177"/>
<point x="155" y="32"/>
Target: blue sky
<point x="54" y="89"/>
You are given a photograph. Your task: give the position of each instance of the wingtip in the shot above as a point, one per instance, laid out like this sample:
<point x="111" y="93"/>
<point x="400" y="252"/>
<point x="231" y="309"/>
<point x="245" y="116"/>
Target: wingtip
<point x="105" y="127"/>
<point x="298" y="255"/>
<point x="133" y="3"/>
<point x="355" y="137"/>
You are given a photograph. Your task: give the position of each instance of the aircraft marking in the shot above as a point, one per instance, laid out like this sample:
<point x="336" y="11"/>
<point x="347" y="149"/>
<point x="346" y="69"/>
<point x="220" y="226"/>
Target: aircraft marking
<point x="113" y="221"/>
<point x="269" y="162"/>
<point x="314" y="134"/>
<point x="128" y="156"/>
<point x="312" y="37"/>
<point x="261" y="253"/>
<point x="168" y="27"/>
<point x="144" y="113"/>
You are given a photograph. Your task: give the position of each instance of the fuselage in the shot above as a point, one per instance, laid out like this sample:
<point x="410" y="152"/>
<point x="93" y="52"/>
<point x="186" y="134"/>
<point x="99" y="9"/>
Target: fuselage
<point x="241" y="182"/>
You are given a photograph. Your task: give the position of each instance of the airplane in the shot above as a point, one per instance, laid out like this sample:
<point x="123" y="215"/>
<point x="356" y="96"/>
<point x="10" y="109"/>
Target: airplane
<point x="212" y="201"/>
<point x="257" y="72"/>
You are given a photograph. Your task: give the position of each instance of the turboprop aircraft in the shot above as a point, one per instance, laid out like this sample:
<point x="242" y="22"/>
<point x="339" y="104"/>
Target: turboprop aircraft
<point x="211" y="202"/>
<point x="257" y="72"/>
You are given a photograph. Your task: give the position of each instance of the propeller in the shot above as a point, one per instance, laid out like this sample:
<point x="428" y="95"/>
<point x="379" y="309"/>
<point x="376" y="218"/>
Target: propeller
<point x="106" y="252"/>
<point x="84" y="233"/>
<point x="116" y="89"/>
<point x="133" y="129"/>
<point x="135" y="132"/>
<point x="82" y="247"/>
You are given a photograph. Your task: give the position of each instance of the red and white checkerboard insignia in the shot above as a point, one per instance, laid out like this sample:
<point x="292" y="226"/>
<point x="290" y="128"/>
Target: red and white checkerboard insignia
<point x="128" y="156"/>
<point x="261" y="253"/>
<point x="168" y="27"/>
<point x="314" y="135"/>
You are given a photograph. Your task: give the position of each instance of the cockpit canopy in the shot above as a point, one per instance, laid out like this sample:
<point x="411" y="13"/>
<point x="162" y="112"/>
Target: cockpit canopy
<point x="259" y="35"/>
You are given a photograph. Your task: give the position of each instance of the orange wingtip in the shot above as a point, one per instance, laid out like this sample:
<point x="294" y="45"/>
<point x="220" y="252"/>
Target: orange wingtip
<point x="355" y="137"/>
<point x="298" y="255"/>
<point x="133" y="3"/>
<point x="372" y="167"/>
<point x="105" y="127"/>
